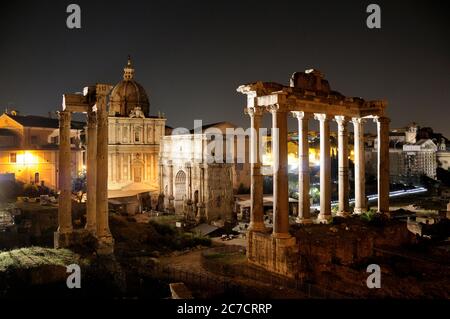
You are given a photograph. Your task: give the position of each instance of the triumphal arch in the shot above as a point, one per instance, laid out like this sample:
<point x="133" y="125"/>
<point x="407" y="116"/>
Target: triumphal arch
<point x="308" y="97"/>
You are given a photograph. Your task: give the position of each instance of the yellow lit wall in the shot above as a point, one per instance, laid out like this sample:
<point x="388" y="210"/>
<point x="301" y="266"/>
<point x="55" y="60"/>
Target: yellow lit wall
<point x="314" y="155"/>
<point x="30" y="162"/>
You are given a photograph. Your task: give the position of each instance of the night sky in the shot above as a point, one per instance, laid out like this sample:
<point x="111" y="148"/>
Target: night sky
<point x="192" y="55"/>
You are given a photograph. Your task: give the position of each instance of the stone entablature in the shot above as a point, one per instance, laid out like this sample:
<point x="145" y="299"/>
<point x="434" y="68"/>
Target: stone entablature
<point x="266" y="94"/>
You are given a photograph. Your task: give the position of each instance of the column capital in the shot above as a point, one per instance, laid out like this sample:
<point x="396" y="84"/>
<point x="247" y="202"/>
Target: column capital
<point x="254" y="111"/>
<point x="301" y="115"/>
<point x="91" y="116"/>
<point x="276" y="108"/>
<point x="64" y="116"/>
<point x="322" y="117"/>
<point x="382" y="119"/>
<point x="341" y="119"/>
<point x="358" y="120"/>
<point x="102" y="89"/>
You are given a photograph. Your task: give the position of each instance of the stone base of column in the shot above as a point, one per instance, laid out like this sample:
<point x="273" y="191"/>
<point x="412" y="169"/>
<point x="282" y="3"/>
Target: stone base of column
<point x="73" y="239"/>
<point x="91" y="229"/>
<point x="171" y="207"/>
<point x="62" y="240"/>
<point x="343" y="214"/>
<point x="385" y="214"/>
<point x="303" y="221"/>
<point x="281" y="235"/>
<point x="359" y="210"/>
<point x="278" y="255"/>
<point x="200" y="217"/>
<point x="324" y="219"/>
<point x="105" y="245"/>
<point x="258" y="227"/>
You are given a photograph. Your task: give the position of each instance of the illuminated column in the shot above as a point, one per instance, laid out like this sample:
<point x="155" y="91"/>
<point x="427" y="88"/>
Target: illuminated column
<point x="129" y="159"/>
<point x="161" y="178"/>
<point x="342" y="122"/>
<point x="201" y="200"/>
<point x="325" y="169"/>
<point x="189" y="188"/>
<point x="304" y="214"/>
<point x="65" y="178"/>
<point x="171" y="197"/>
<point x="383" y="164"/>
<point x="360" y="180"/>
<point x="105" y="239"/>
<point x="280" y="176"/>
<point x="256" y="184"/>
<point x="91" y="171"/>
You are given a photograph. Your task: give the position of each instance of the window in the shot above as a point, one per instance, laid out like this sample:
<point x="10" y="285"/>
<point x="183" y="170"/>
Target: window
<point x="36" y="178"/>
<point x="13" y="157"/>
<point x="34" y="139"/>
<point x="136" y="136"/>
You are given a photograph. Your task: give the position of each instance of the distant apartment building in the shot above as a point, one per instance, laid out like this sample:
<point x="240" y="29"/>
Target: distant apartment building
<point x="410" y="157"/>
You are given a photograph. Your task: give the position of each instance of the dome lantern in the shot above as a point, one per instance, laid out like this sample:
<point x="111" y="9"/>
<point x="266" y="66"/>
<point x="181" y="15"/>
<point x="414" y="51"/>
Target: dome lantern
<point x="128" y="70"/>
<point x="128" y="95"/>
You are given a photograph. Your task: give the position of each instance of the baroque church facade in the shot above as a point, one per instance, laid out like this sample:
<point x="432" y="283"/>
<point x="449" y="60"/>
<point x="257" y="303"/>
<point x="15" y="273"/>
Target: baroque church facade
<point x="134" y="137"/>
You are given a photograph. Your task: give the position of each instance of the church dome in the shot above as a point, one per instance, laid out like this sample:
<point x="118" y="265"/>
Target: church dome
<point x="128" y="94"/>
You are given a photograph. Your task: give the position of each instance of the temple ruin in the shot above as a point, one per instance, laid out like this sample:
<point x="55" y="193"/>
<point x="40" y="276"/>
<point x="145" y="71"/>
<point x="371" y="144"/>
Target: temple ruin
<point x="308" y="96"/>
<point x="92" y="102"/>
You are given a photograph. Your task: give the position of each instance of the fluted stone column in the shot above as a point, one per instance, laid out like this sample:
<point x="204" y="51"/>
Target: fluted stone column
<point x="105" y="239"/>
<point x="201" y="201"/>
<point x="280" y="176"/>
<point x="383" y="164"/>
<point x="360" y="179"/>
<point x="256" y="183"/>
<point x="325" y="169"/>
<point x="171" y="197"/>
<point x="161" y="178"/>
<point x="64" y="175"/>
<point x="343" y="209"/>
<point x="189" y="202"/>
<point x="91" y="171"/>
<point x="304" y="213"/>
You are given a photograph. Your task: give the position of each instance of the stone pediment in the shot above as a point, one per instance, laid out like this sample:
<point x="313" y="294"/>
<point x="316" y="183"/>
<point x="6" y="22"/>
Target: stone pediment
<point x="427" y="144"/>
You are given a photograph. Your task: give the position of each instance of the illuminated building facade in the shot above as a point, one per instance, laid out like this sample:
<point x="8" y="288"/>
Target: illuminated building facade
<point x="29" y="149"/>
<point x="196" y="187"/>
<point x="134" y="137"/>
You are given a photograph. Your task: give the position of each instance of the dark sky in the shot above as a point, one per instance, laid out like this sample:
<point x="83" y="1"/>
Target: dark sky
<point x="192" y="55"/>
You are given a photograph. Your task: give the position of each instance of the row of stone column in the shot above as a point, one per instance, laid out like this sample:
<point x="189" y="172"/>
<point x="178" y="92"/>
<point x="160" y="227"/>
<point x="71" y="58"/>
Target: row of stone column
<point x="97" y="174"/>
<point x="280" y="168"/>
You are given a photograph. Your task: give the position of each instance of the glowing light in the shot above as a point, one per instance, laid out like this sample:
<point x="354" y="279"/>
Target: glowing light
<point x="26" y="158"/>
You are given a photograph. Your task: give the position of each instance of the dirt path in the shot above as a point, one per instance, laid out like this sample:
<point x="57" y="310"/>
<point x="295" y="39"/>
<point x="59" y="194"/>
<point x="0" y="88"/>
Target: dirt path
<point x="192" y="261"/>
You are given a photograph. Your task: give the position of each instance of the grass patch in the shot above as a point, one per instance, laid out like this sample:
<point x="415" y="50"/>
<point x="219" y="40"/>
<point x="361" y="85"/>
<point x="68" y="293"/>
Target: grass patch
<point x="31" y="257"/>
<point x="174" y="238"/>
<point x="165" y="219"/>
<point x="372" y="217"/>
